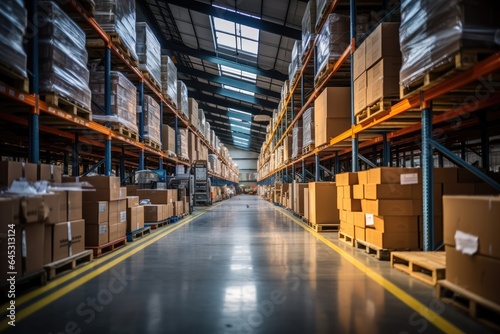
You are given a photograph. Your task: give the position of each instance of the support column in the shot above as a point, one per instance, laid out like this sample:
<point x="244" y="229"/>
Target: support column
<point x="485" y="141"/>
<point x="122" y="164"/>
<point x="65" y="163"/>
<point x="427" y="180"/>
<point x="160" y="159"/>
<point x="33" y="124"/>
<point x="316" y="165"/>
<point x="304" y="171"/>
<point x="75" y="162"/>
<point x="386" y="149"/>
<point x="107" y="107"/>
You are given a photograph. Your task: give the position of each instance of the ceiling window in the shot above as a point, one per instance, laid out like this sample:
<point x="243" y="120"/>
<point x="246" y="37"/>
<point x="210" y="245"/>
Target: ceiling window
<point x="238" y="90"/>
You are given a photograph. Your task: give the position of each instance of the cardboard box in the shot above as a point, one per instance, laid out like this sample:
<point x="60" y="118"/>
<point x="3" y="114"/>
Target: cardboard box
<point x="9" y="211"/>
<point x="390" y="175"/>
<point x="178" y="208"/>
<point x="384" y="68"/>
<point x="359" y="60"/>
<point x="168" y="210"/>
<point x="32" y="209"/>
<point x="132" y="201"/>
<point x="363" y="177"/>
<point x="132" y="190"/>
<point x="49" y="173"/>
<point x="96" y="235"/>
<point x="122" y="229"/>
<point x="333" y="102"/>
<point x="346" y="216"/>
<point x="306" y="203"/>
<point x="360" y="89"/>
<point x="123" y="193"/>
<point x="68" y="239"/>
<point x="192" y="146"/>
<point x="359" y="233"/>
<point x="477" y="273"/>
<point x="345" y="179"/>
<point x="392" y="207"/>
<point x="388" y="191"/>
<point x="95" y="213"/>
<point x="392" y="240"/>
<point x="118" y="206"/>
<point x="153" y="213"/>
<point x="445" y="175"/>
<point x="298" y="198"/>
<point x="359" y="219"/>
<point x="474" y="215"/>
<point x="113" y="232"/>
<point x="358" y="191"/>
<point x="74" y="208"/>
<point x="113" y="217"/>
<point x="53" y="204"/>
<point x="330" y="128"/>
<point x="347" y="228"/>
<point x="107" y="188"/>
<point x="156" y="196"/>
<point x="168" y="138"/>
<point x="322" y="203"/>
<point x="382" y="42"/>
<point x="13" y="170"/>
<point x="347" y="191"/>
<point x="392" y="223"/>
<point x="386" y="87"/>
<point x="351" y="204"/>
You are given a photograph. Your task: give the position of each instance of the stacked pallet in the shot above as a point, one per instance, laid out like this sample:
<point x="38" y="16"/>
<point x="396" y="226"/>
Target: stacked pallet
<point x="149" y="53"/>
<point x="182" y="100"/>
<point x="152" y="123"/>
<point x="14" y="18"/>
<point x="169" y="79"/>
<point x="323" y="212"/>
<point x="163" y="204"/>
<point x="332" y="114"/>
<point x="298" y="198"/>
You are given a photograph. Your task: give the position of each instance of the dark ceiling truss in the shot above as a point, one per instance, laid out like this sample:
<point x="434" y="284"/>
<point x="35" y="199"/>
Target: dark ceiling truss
<point x="249" y="21"/>
<point x="225" y="80"/>
<point x="227" y="103"/>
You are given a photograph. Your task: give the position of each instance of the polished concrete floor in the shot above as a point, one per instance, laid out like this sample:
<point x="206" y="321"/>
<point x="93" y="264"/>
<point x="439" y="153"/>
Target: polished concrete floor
<point x="235" y="269"/>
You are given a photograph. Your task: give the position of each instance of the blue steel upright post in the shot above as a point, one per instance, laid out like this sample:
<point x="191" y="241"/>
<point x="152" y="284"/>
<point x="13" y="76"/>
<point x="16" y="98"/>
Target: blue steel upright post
<point x="427" y="179"/>
<point x="107" y="107"/>
<point x="316" y="171"/>
<point x="160" y="159"/>
<point x="177" y="139"/>
<point x="34" y="134"/>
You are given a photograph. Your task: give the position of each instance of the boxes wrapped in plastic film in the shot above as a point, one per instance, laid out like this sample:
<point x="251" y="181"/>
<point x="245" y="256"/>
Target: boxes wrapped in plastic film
<point x="14" y="18"/>
<point x="148" y="51"/>
<point x="333" y="40"/>
<point x="169" y="79"/>
<point x="207" y="131"/>
<point x="321" y="8"/>
<point x="212" y="161"/>
<point x="295" y="63"/>
<point x="308" y="127"/>
<point x="118" y="17"/>
<point x="182" y="99"/>
<point x="182" y="144"/>
<point x="123" y="100"/>
<point x="433" y="32"/>
<point x="201" y="120"/>
<point x="285" y="89"/>
<point x="296" y="141"/>
<point x="151" y="120"/>
<point x="308" y="25"/>
<point x="279" y="156"/>
<point x="62" y="56"/>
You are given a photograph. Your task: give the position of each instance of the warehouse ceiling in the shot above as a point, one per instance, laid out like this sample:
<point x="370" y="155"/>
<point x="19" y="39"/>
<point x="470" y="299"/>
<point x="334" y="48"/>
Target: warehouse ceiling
<point x="233" y="56"/>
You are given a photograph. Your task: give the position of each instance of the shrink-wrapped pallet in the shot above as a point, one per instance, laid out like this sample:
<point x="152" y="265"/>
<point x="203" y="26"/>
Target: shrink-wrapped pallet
<point x="169" y="79"/>
<point x="333" y="40"/>
<point x="14" y="20"/>
<point x="148" y="51"/>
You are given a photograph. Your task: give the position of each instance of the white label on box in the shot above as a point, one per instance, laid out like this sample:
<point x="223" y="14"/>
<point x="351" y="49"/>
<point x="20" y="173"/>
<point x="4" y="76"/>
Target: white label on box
<point x="103" y="229"/>
<point x="102" y="207"/>
<point x="123" y="216"/>
<point x="409" y="178"/>
<point x="466" y="243"/>
<point x="369" y="219"/>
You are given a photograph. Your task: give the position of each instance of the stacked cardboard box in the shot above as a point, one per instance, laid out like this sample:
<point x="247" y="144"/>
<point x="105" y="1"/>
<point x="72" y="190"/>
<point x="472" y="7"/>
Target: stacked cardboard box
<point x="168" y="139"/>
<point x="471" y="232"/>
<point x="193" y="112"/>
<point x="322" y="203"/>
<point x="162" y="203"/>
<point x="377" y="62"/>
<point x="182" y="99"/>
<point x="298" y="198"/>
<point x="135" y="214"/>
<point x="332" y="114"/>
<point x="346" y="202"/>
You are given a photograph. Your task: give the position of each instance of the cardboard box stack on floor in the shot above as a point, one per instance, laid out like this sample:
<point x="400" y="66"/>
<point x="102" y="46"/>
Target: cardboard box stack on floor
<point x="346" y="202"/>
<point x="472" y="245"/>
<point x="323" y="203"/>
<point x="135" y="214"/>
<point x="298" y="198"/>
<point x="162" y="204"/>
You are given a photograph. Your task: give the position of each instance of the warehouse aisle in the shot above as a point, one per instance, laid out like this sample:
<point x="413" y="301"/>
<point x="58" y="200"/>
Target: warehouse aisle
<point x="236" y="269"/>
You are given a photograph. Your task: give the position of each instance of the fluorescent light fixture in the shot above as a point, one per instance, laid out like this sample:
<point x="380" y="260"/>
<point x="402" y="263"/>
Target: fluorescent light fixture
<point x="239" y="111"/>
<point x="239" y="138"/>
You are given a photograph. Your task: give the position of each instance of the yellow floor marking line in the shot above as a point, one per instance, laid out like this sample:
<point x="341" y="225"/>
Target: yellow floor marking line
<point x="70" y="287"/>
<point x="399" y="293"/>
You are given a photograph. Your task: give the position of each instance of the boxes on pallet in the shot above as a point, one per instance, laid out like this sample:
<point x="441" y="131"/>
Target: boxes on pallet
<point x="360" y="93"/>
<point x="14" y="20"/>
<point x="49" y="173"/>
<point x="158" y="196"/>
<point x="68" y="239"/>
<point x="169" y="79"/>
<point x="322" y="203"/>
<point x="297" y="143"/>
<point x="308" y="129"/>
<point x="151" y="120"/>
<point x="14" y="170"/>
<point x="132" y="201"/>
<point x="391" y="223"/>
<point x="95" y="213"/>
<point x="287" y="148"/>
<point x="193" y="112"/>
<point x="182" y="99"/>
<point x="154" y="213"/>
<point x="332" y="40"/>
<point x="306" y="203"/>
<point x="298" y="198"/>
<point x="308" y="25"/>
<point x="392" y="240"/>
<point x="148" y="50"/>
<point x="359" y="233"/>
<point x="359" y="61"/>
<point x="135" y="218"/>
<point x="96" y="235"/>
<point x="382" y="80"/>
<point x="332" y="114"/>
<point x="346" y="179"/>
<point x="107" y="188"/>
<point x="192" y="147"/>
<point x="382" y="42"/>
<point x="182" y="144"/>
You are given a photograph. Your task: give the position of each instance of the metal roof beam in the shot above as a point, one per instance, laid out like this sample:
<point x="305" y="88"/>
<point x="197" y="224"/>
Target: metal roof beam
<point x="232" y="94"/>
<point x="246" y="20"/>
<point x="251" y="127"/>
<point x="225" y="80"/>
<point x="223" y="102"/>
<point x="212" y="57"/>
<point x="225" y="112"/>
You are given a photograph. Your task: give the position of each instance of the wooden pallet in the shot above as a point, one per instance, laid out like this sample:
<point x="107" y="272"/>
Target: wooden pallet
<point x="307" y="149"/>
<point x="324" y="12"/>
<point x="157" y="225"/>
<point x="182" y="159"/>
<point x="57" y="268"/>
<point x="66" y="105"/>
<point x="137" y="234"/>
<point x="124" y="131"/>
<point x="108" y="247"/>
<point x="429" y="267"/>
<point x="149" y="77"/>
<point x="152" y="144"/>
<point x="10" y="77"/>
<point x="461" y="61"/>
<point x="323" y="73"/>
<point x="377" y="107"/>
<point x="172" y="102"/>
<point x="479" y="308"/>
<point x="325" y="227"/>
<point x="182" y="114"/>
<point x="25" y="283"/>
<point x="346" y="238"/>
<point x="98" y="43"/>
<point x="379" y="253"/>
<point x="305" y="51"/>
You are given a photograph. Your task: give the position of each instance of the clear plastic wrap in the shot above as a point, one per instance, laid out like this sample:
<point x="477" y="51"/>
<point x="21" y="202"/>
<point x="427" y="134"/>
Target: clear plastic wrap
<point x="123" y="100"/>
<point x="308" y="127"/>
<point x="169" y="79"/>
<point x="285" y="89"/>
<point x="182" y="98"/>
<point x="432" y="32"/>
<point x="212" y="162"/>
<point x="333" y="39"/>
<point x="201" y="120"/>
<point x="148" y="51"/>
<point x="182" y="144"/>
<point x="151" y="119"/>
<point x="321" y="7"/>
<point x="118" y="17"/>
<point x="62" y="57"/>
<point x="14" y="20"/>
<point x="207" y="131"/>
<point x="308" y="25"/>
<point x="296" y="141"/>
<point x="296" y="62"/>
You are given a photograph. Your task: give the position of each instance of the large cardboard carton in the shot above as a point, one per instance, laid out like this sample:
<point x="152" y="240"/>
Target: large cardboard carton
<point x="358" y="191"/>
<point x="168" y="138"/>
<point x="298" y="198"/>
<point x="382" y="42"/>
<point x="359" y="60"/>
<point x="476" y="273"/>
<point x="323" y="203"/>
<point x="13" y="170"/>
<point x="388" y="191"/>
<point x="351" y="204"/>
<point x="360" y="89"/>
<point x="122" y="229"/>
<point x="95" y="213"/>
<point x="345" y="179"/>
<point x="359" y="233"/>
<point x="329" y="128"/>
<point x="118" y="206"/>
<point x="385" y="87"/>
<point x="359" y="219"/>
<point x="347" y="228"/>
<point x="123" y="193"/>
<point x="333" y="102"/>
<point x="135" y="218"/>
<point x="74" y="207"/>
<point x="68" y="239"/>
<point x="392" y="207"/>
<point x="362" y="177"/>
<point x="113" y="232"/>
<point x="132" y="201"/>
<point x="346" y="192"/>
<point x="392" y="240"/>
<point x="478" y="217"/>
<point x="156" y="196"/>
<point x="306" y="203"/>
<point x="107" y="188"/>
<point x="392" y="223"/>
<point x="53" y="204"/>
<point x="49" y="173"/>
<point x="153" y="213"/>
<point x="96" y="235"/>
<point x="390" y="175"/>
